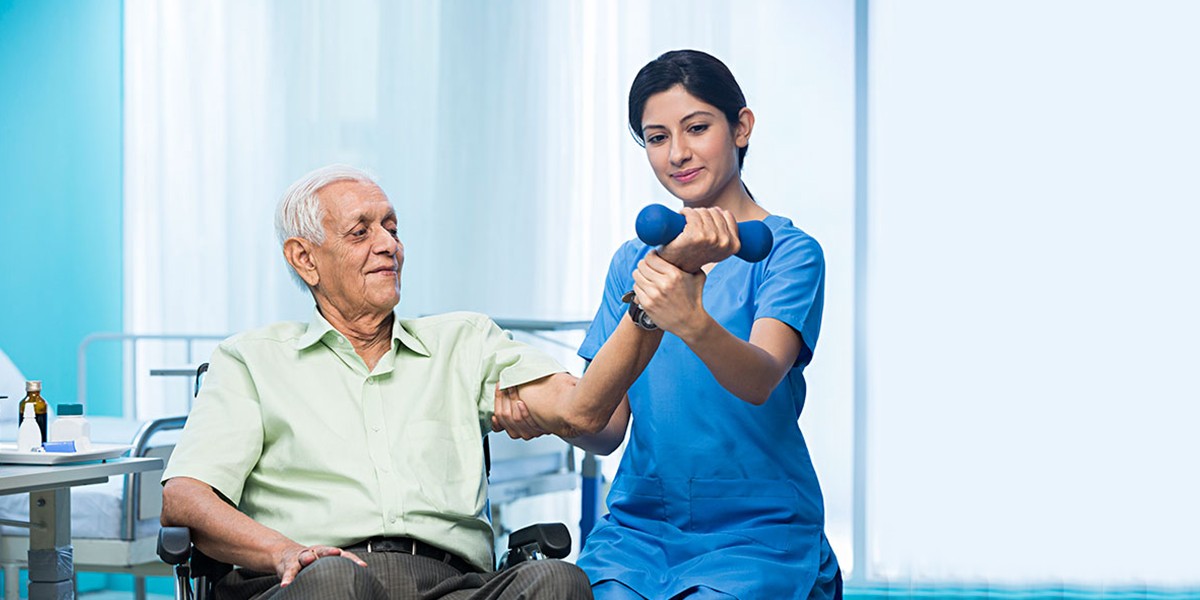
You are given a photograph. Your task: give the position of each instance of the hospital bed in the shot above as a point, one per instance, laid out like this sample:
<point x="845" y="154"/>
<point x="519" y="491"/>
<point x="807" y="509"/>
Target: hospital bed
<point x="113" y="524"/>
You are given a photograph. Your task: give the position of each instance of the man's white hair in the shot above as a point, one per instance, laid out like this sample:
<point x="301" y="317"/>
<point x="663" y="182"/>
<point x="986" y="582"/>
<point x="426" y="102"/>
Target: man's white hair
<point x="300" y="214"/>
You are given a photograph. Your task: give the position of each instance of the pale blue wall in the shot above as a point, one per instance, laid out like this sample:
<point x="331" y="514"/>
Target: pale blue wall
<point x="60" y="191"/>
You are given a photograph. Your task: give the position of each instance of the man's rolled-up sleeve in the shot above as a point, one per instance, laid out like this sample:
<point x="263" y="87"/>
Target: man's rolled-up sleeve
<point x="508" y="363"/>
<point x="223" y="437"/>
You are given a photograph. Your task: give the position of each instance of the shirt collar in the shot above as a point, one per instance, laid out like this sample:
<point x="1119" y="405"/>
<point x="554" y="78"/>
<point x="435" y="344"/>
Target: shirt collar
<point x="405" y="337"/>
<point x="318" y="328"/>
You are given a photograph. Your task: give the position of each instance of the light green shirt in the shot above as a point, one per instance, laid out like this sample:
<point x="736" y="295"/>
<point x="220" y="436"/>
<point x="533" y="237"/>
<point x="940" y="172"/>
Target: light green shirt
<point x="292" y="428"/>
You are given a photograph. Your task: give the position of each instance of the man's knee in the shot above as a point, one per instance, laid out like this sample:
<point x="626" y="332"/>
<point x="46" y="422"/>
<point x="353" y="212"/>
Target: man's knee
<point x="335" y="576"/>
<point x="552" y="579"/>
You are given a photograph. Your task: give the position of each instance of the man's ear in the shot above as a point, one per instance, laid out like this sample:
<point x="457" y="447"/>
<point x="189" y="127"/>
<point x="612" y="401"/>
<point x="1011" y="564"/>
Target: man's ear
<point x="745" y="126"/>
<point x="298" y="252"/>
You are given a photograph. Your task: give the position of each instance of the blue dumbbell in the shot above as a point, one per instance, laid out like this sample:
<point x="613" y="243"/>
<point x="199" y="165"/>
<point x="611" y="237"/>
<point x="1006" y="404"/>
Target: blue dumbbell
<point x="657" y="225"/>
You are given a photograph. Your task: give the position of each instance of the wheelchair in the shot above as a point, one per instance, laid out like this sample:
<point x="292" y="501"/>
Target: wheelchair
<point x="196" y="574"/>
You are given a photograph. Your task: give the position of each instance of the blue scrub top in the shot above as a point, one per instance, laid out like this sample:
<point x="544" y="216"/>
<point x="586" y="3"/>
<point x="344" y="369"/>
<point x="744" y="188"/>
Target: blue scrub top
<point x="713" y="490"/>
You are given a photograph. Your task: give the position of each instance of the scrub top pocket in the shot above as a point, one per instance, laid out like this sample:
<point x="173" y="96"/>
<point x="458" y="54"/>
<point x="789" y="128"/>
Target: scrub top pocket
<point x="639" y="502"/>
<point x="764" y="511"/>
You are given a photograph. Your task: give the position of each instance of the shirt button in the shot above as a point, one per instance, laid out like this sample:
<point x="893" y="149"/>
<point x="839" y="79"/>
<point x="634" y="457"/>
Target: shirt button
<point x="393" y="519"/>
<point x="375" y="428"/>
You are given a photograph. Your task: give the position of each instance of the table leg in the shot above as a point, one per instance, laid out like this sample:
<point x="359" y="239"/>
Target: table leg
<point x="51" y="557"/>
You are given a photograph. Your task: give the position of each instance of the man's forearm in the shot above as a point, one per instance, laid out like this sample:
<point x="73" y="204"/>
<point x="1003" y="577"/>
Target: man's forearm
<point x="220" y="530"/>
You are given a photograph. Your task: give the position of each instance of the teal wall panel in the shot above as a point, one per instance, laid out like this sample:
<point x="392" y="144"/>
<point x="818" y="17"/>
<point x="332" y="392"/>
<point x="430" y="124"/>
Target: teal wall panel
<point x="60" y="192"/>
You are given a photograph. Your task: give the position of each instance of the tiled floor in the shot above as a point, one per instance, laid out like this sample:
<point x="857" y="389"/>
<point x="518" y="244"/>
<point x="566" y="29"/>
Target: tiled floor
<point x="118" y="595"/>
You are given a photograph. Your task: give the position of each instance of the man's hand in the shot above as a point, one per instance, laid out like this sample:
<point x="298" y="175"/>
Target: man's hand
<point x="512" y="416"/>
<point x="296" y="557"/>
<point x="710" y="236"/>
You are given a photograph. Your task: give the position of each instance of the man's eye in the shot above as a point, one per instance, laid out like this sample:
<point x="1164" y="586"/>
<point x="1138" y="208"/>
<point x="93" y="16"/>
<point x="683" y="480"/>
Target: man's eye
<point x="360" y="232"/>
<point x="395" y="233"/>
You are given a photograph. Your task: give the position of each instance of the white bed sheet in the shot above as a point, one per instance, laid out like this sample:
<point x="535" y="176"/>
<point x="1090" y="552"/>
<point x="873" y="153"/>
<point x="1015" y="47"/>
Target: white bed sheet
<point x="95" y="509"/>
<point x="95" y="512"/>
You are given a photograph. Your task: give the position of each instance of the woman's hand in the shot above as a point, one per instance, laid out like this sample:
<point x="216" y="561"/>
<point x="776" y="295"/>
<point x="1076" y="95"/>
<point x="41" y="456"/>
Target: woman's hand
<point x="710" y="236"/>
<point x="512" y="416"/>
<point x="297" y="557"/>
<point x="672" y="297"/>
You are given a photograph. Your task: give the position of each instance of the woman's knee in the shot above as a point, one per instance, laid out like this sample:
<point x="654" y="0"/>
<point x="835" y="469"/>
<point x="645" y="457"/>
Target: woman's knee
<point x="703" y="592"/>
<point x="614" y="590"/>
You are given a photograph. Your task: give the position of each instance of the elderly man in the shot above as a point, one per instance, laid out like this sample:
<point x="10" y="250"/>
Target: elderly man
<point x="343" y="457"/>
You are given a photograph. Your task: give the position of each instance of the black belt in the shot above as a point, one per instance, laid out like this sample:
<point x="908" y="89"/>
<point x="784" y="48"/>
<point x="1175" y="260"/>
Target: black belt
<point x="405" y="545"/>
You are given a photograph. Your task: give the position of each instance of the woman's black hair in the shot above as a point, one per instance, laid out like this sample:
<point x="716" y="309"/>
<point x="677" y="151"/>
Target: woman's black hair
<point x="701" y="74"/>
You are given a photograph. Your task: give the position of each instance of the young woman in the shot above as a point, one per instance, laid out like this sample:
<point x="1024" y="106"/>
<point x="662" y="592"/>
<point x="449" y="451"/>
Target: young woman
<point x="716" y="495"/>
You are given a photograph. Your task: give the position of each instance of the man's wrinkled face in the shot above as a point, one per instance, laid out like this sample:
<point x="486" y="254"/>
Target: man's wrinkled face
<point x="358" y="265"/>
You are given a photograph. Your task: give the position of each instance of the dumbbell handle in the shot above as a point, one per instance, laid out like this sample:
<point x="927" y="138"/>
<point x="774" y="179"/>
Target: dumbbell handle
<point x="657" y="225"/>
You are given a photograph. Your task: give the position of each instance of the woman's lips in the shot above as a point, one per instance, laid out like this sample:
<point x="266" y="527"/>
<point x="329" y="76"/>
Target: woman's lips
<point x="685" y="176"/>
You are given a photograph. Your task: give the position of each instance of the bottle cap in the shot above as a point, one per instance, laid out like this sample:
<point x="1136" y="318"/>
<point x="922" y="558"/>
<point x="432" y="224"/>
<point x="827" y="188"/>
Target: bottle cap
<point x="33" y="386"/>
<point x="70" y="410"/>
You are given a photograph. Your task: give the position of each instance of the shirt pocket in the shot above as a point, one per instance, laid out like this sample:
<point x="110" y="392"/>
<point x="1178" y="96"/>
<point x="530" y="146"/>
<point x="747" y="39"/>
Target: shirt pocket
<point x="764" y="511"/>
<point x="448" y="462"/>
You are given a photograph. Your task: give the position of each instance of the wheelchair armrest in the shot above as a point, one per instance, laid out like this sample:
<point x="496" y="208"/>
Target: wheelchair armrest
<point x="174" y="545"/>
<point x="552" y="539"/>
<point x="541" y="540"/>
<point x="175" y="548"/>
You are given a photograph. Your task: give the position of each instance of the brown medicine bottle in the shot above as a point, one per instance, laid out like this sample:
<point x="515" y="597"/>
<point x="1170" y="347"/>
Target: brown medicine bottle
<point x="33" y="393"/>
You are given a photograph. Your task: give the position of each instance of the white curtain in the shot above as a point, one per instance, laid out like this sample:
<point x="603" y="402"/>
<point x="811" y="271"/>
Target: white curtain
<point x="1033" y="290"/>
<point x="498" y="129"/>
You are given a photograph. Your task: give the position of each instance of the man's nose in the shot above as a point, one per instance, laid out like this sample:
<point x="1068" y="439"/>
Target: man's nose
<point x="386" y="243"/>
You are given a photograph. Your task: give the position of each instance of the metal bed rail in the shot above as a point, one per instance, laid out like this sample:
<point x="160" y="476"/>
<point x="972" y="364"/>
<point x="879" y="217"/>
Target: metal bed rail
<point x="130" y="370"/>
<point x="133" y="483"/>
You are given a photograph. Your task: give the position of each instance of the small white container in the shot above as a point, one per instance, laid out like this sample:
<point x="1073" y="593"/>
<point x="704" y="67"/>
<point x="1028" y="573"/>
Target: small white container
<point x="29" y="435"/>
<point x="70" y="426"/>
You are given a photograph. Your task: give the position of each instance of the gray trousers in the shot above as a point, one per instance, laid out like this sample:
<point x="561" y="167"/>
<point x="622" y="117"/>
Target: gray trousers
<point x="398" y="576"/>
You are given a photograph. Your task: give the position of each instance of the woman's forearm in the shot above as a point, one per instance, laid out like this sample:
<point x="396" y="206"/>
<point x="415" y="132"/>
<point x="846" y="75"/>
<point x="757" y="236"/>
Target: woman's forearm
<point x="745" y="369"/>
<point x="570" y="407"/>
<point x="611" y="373"/>
<point x="608" y="439"/>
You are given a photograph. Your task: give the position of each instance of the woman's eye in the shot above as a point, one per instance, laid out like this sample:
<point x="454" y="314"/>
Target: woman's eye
<point x="656" y="139"/>
<point x="698" y="128"/>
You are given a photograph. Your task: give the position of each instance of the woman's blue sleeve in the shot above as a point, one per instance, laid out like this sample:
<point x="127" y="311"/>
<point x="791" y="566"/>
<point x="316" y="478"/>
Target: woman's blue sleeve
<point x="793" y="289"/>
<point x="612" y="310"/>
